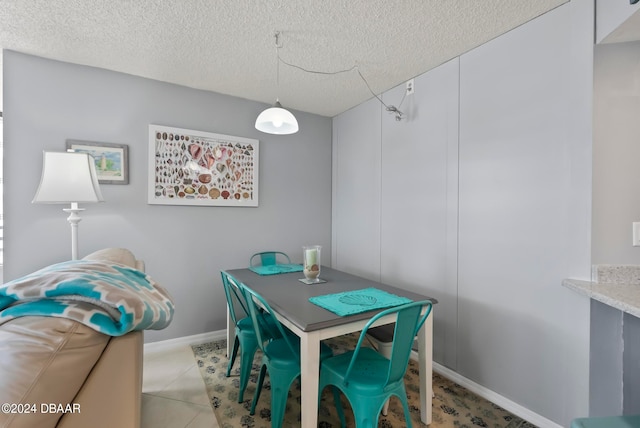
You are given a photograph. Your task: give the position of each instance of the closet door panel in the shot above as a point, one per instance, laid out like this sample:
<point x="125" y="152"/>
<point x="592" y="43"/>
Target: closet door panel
<point x="419" y="197"/>
<point x="356" y="191"/>
<point x="525" y="162"/>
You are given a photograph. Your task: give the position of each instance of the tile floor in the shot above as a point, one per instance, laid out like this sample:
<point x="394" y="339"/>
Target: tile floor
<point x="173" y="393"/>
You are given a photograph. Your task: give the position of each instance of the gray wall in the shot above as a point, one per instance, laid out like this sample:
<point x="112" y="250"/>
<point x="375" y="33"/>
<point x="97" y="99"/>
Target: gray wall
<point x="615" y="372"/>
<point x="483" y="201"/>
<point x="631" y="365"/>
<point x="605" y="362"/>
<point x="616" y="192"/>
<point x="47" y="102"/>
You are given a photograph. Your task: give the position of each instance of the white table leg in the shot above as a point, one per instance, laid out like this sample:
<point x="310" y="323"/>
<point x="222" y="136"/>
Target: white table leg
<point x="425" y="347"/>
<point x="231" y="333"/>
<point x="309" y="372"/>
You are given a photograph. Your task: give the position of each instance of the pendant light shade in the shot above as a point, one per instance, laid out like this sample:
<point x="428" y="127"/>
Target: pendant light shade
<point x="277" y="120"/>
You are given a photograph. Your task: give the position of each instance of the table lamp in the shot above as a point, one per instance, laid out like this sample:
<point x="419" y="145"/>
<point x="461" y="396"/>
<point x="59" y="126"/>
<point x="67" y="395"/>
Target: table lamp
<point x="68" y="178"/>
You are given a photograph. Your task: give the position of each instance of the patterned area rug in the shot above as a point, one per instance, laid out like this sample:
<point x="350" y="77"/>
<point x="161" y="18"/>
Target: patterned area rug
<point x="453" y="405"/>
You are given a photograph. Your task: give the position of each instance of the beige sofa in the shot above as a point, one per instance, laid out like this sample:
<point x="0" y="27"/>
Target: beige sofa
<point x="56" y="372"/>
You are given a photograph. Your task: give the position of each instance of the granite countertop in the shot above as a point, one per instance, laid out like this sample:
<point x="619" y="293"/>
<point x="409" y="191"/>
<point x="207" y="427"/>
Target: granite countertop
<point x="615" y="285"/>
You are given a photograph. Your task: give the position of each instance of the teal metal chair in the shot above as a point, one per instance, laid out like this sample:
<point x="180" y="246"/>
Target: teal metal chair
<point x="382" y="340"/>
<point x="281" y="357"/>
<point x="268" y="258"/>
<point x="366" y="377"/>
<point x="246" y="339"/>
<point x="607" y="422"/>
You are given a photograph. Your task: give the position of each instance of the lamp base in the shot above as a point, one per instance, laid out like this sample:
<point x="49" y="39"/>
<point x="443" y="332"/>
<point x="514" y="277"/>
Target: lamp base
<point x="74" y="219"/>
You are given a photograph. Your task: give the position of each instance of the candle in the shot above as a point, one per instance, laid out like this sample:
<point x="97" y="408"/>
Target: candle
<point x="311" y="257"/>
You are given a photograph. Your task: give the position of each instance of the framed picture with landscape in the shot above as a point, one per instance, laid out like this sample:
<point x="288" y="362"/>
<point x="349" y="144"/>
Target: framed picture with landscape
<point x="112" y="160"/>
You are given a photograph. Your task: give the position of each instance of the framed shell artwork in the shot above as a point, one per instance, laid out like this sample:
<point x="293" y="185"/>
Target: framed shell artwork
<point x="189" y="167"/>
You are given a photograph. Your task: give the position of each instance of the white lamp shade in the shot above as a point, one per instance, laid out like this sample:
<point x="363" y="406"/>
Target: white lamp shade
<point x="68" y="177"/>
<point x="277" y="120"/>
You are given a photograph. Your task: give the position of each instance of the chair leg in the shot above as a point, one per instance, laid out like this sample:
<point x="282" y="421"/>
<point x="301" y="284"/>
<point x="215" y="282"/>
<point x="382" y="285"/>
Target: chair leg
<point x="366" y="413"/>
<point x="256" y="396"/>
<point x="280" y="385"/>
<point x="246" y="363"/>
<point x="234" y="354"/>
<point x="338" y="404"/>
<point x="405" y="406"/>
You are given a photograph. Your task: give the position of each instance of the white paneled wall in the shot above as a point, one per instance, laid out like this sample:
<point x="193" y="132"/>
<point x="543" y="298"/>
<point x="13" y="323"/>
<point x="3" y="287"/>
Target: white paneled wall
<point x="356" y="191"/>
<point x="419" y="196"/>
<point x="520" y="172"/>
<point x="483" y="201"/>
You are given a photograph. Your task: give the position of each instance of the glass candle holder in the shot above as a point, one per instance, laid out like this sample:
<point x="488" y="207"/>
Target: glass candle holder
<point x="311" y="262"/>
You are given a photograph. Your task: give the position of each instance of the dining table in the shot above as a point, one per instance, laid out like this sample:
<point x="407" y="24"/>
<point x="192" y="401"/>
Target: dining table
<point x="289" y="299"/>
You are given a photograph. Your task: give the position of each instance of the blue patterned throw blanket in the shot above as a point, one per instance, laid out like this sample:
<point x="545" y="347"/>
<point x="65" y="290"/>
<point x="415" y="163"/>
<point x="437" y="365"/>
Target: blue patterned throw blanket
<point x="111" y="298"/>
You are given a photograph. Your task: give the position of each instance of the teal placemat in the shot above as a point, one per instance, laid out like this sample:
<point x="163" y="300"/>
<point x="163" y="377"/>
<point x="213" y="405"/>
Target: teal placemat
<point x="276" y="269"/>
<point x="356" y="301"/>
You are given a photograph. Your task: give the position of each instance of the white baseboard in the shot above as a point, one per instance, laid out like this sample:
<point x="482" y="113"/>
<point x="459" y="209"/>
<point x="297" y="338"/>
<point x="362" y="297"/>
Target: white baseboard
<point x="495" y="398"/>
<point x="196" y="339"/>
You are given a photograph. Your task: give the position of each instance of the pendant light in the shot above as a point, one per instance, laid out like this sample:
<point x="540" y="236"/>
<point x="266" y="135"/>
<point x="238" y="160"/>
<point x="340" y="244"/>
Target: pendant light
<point x="276" y="119"/>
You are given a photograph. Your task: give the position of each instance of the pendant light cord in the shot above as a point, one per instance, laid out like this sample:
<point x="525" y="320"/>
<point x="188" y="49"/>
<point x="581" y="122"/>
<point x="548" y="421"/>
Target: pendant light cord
<point x="390" y="108"/>
<point x="278" y="46"/>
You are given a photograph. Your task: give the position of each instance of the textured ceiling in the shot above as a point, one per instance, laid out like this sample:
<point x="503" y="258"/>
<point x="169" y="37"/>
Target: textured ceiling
<point x="229" y="46"/>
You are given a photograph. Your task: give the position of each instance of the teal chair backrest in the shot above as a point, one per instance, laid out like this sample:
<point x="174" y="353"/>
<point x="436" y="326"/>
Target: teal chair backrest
<point x="233" y="295"/>
<point x="268" y="258"/>
<point x="408" y="322"/>
<point x="255" y="302"/>
<point x="234" y="291"/>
